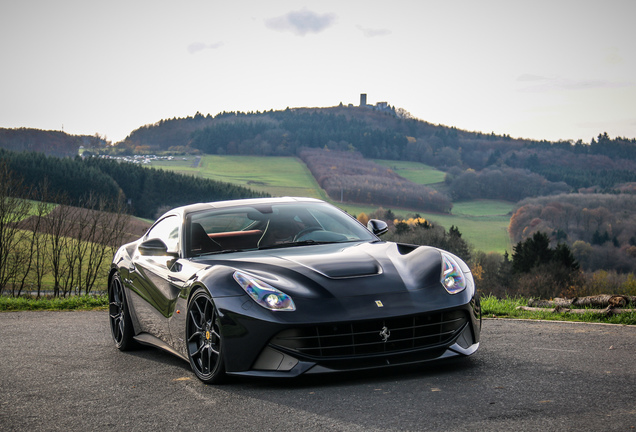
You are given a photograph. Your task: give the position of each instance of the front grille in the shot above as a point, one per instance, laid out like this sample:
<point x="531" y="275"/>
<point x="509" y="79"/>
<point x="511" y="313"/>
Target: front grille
<point x="360" y="338"/>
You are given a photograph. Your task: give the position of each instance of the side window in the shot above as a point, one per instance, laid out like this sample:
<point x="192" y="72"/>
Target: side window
<point x="167" y="230"/>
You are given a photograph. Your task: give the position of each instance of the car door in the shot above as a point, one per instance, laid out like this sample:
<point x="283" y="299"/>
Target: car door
<point x="156" y="284"/>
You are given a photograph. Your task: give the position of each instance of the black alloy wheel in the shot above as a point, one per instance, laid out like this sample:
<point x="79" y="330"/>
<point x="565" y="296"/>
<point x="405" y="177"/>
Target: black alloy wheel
<point x="120" y="323"/>
<point x="205" y="343"/>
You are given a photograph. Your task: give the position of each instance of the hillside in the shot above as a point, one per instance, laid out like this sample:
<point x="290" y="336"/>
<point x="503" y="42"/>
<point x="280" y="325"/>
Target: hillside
<point x="347" y="176"/>
<point x="52" y="143"/>
<point x="560" y="167"/>
<point x="470" y="165"/>
<point x="146" y="193"/>
<point x="600" y="227"/>
<point x="549" y="167"/>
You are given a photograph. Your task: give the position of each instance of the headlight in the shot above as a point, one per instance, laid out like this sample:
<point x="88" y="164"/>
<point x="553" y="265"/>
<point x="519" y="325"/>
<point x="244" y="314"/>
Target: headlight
<point x="263" y="293"/>
<point x="453" y="278"/>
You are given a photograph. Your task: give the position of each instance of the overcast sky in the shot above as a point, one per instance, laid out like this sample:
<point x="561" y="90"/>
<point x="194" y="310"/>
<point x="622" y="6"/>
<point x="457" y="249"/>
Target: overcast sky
<point x="557" y="69"/>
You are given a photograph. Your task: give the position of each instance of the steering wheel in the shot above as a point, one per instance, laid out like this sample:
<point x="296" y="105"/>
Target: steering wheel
<point x="306" y="231"/>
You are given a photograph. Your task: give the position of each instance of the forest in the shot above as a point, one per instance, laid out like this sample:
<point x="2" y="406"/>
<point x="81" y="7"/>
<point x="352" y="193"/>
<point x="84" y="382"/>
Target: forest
<point x="600" y="228"/>
<point x="502" y="183"/>
<point x="601" y="165"/>
<point x="48" y="245"/>
<point x="348" y="176"/>
<point x="54" y="143"/>
<point x="147" y="192"/>
<point x="547" y="167"/>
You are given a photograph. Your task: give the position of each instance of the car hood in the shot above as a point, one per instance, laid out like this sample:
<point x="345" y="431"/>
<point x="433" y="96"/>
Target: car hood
<point x="334" y="263"/>
<point x="341" y="269"/>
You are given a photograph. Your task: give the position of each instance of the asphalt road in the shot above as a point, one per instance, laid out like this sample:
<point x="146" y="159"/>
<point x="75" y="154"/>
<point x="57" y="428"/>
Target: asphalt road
<point x="60" y="371"/>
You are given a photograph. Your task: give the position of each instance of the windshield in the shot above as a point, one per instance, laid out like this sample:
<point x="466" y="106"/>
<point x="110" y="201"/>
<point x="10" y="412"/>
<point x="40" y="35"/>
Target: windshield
<point x="270" y="226"/>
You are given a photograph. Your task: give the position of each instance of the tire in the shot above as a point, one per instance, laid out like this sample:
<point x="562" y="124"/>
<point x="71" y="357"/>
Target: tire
<point x="204" y="339"/>
<point x="121" y="327"/>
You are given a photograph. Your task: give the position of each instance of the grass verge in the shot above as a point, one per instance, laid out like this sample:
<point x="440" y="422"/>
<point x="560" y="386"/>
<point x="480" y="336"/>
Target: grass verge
<point x="492" y="307"/>
<point x="85" y="302"/>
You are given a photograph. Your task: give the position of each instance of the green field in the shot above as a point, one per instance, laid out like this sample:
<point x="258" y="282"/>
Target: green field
<point x="33" y="209"/>
<point x="483" y="223"/>
<point x="277" y="176"/>
<point x="483" y="208"/>
<point x="414" y="171"/>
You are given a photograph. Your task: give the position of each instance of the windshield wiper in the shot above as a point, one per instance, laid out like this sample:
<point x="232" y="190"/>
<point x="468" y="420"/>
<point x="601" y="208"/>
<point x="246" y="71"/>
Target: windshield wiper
<point x="293" y="244"/>
<point x="221" y="252"/>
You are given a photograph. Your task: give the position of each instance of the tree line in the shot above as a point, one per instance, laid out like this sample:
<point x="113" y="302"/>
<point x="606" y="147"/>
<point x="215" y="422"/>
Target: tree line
<point x="603" y="163"/>
<point x="348" y="176"/>
<point x="56" y="247"/>
<point x="150" y="192"/>
<point x="600" y="228"/>
<point x="285" y="132"/>
<point x="54" y="143"/>
<point x="501" y="183"/>
<point x="146" y="192"/>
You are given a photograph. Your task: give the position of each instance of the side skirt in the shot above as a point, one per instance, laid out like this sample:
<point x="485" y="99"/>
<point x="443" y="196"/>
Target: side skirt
<point x="148" y="339"/>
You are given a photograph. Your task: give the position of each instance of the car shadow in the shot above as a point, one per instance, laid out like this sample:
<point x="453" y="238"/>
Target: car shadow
<point x="435" y="368"/>
<point x="157" y="355"/>
<point x="352" y="378"/>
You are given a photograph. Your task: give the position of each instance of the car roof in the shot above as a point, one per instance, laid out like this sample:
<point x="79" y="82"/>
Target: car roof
<point x="184" y="210"/>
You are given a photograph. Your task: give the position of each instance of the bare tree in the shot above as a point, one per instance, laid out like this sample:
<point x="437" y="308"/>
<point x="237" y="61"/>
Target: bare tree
<point x="99" y="228"/>
<point x="113" y="221"/>
<point x="59" y="238"/>
<point x="13" y="209"/>
<point x="32" y="251"/>
<point x="97" y="248"/>
<point x="71" y="251"/>
<point x="38" y="244"/>
<point x="82" y="227"/>
<point x="70" y="243"/>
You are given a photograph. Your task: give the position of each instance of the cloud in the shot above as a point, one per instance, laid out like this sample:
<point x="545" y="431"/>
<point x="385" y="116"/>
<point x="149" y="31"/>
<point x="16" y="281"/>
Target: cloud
<point x="367" y="32"/>
<point x="530" y="77"/>
<point x="586" y="84"/>
<point x="301" y="22"/>
<point x="196" y="47"/>
<point x="539" y="83"/>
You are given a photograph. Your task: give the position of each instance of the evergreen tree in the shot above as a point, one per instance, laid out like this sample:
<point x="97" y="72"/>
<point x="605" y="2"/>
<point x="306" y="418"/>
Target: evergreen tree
<point x="531" y="253"/>
<point x="536" y="252"/>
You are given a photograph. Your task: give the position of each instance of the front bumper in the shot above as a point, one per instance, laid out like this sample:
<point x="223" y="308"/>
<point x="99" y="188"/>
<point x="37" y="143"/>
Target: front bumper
<point x="260" y="347"/>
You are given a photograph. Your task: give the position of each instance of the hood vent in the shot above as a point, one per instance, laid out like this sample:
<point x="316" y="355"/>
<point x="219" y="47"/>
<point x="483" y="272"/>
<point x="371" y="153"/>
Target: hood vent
<point x="348" y="263"/>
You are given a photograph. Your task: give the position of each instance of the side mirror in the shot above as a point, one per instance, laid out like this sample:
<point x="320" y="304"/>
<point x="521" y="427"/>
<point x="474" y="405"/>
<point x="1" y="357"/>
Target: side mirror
<point x="155" y="247"/>
<point x="377" y="227"/>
